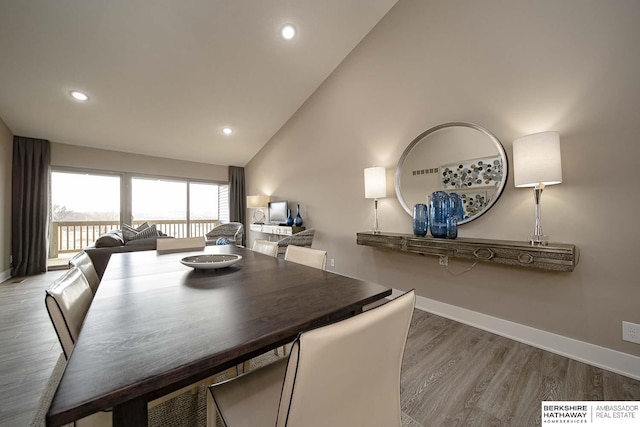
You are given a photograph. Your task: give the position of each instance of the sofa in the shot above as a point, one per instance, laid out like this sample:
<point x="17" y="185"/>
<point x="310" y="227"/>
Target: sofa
<point x="126" y="239"/>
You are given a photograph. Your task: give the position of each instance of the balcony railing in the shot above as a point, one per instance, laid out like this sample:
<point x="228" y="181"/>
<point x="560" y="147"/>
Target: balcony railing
<point x="73" y="236"/>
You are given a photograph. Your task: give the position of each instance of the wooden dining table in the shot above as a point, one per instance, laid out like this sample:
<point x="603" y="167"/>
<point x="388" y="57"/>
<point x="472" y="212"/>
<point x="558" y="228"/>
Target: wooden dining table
<point x="156" y="325"/>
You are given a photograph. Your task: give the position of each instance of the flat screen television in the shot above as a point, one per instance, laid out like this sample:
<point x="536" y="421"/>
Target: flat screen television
<point x="278" y="212"/>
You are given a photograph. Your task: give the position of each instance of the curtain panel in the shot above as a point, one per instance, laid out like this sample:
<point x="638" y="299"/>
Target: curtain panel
<point x="237" y="196"/>
<point x="29" y="205"/>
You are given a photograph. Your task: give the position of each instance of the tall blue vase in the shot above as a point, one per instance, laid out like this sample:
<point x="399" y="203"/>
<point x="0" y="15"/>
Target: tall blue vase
<point x="439" y="209"/>
<point x="298" y="220"/>
<point x="289" y="218"/>
<point x="420" y="219"/>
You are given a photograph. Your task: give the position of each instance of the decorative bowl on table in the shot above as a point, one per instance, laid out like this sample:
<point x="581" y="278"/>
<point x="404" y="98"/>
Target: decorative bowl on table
<point x="210" y="262"/>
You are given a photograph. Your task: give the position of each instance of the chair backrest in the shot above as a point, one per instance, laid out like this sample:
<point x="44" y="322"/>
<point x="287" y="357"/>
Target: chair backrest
<point x="307" y="256"/>
<point x="231" y="230"/>
<point x="303" y="238"/>
<point x="82" y="261"/>
<point x="266" y="247"/>
<point x="348" y="373"/>
<point x="67" y="301"/>
<point x="180" y="244"/>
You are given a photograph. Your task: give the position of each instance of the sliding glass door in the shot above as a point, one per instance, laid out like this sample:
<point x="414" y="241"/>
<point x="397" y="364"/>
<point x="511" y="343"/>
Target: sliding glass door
<point x="179" y="208"/>
<point x="88" y="203"/>
<point x="162" y="202"/>
<point x="204" y="209"/>
<point x="83" y="206"/>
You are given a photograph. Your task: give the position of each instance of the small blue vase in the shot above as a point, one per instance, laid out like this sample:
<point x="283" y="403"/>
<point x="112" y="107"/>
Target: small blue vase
<point x="298" y="221"/>
<point x="457" y="206"/>
<point x="289" y="218"/>
<point x="452" y="227"/>
<point x="439" y="208"/>
<point x="420" y="219"/>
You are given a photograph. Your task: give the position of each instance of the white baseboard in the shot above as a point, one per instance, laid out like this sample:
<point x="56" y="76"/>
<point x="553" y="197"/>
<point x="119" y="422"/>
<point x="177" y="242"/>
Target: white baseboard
<point x="602" y="357"/>
<point x="5" y="275"/>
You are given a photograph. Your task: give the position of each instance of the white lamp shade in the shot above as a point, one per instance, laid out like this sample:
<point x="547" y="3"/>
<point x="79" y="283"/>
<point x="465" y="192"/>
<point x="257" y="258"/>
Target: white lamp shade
<point x="536" y="160"/>
<point x="258" y="201"/>
<point x="375" y="182"/>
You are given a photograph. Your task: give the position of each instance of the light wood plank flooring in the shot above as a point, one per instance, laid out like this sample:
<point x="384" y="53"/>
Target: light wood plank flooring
<point x="453" y="374"/>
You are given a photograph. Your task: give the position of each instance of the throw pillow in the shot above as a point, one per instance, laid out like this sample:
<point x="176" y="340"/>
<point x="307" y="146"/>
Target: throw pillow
<point x="223" y="241"/>
<point x="109" y="240"/>
<point x="129" y="233"/>
<point x="150" y="231"/>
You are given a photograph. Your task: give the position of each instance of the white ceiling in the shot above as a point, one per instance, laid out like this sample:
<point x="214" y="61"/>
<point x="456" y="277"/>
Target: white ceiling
<point x="165" y="76"/>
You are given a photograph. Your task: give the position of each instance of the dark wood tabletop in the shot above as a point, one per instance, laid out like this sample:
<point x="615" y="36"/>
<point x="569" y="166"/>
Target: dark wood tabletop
<point x="156" y="325"/>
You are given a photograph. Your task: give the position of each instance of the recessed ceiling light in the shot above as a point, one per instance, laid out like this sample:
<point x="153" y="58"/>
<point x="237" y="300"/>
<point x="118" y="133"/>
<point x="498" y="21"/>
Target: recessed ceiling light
<point x="288" y="32"/>
<point x="227" y="131"/>
<point x="79" y="96"/>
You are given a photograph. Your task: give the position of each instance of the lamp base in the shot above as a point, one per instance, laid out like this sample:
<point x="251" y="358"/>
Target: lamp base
<point x="539" y="240"/>
<point x="258" y="216"/>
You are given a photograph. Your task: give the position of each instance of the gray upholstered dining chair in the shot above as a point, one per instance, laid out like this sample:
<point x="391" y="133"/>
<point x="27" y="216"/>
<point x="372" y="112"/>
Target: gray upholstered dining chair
<point x="343" y="374"/>
<point x="233" y="231"/>
<point x="82" y="261"/>
<point x="265" y="247"/>
<point x="312" y="257"/>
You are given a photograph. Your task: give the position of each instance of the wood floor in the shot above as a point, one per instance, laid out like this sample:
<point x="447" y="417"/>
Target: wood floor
<point x="452" y="375"/>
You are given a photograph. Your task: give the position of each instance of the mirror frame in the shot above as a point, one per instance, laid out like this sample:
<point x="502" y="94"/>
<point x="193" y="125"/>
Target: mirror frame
<point x="492" y="137"/>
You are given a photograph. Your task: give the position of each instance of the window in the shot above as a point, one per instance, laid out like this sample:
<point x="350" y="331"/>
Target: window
<point x="179" y="208"/>
<point x="83" y="206"/>
<point x="86" y="204"/>
<point x="203" y="207"/>
<point x="161" y="202"/>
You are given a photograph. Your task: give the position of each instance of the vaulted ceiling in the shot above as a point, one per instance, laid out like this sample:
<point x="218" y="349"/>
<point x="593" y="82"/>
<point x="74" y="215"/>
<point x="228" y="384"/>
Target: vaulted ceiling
<point x="164" y="77"/>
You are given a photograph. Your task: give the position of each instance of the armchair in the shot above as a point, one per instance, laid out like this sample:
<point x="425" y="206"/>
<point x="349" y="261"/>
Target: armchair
<point x="303" y="239"/>
<point x="234" y="231"/>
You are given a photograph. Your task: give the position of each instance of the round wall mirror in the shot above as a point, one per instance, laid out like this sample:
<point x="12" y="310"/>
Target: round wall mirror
<point x="456" y="157"/>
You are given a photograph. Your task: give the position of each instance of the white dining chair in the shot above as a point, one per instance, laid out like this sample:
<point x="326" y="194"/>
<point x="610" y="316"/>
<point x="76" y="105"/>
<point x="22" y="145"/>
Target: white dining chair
<point x="82" y="261"/>
<point x="343" y="374"/>
<point x="180" y="244"/>
<point x="67" y="301"/>
<point x="312" y="257"/>
<point x="265" y="247"/>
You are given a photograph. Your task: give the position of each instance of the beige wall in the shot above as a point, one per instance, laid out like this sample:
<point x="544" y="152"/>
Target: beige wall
<point x="6" y="156"/>
<point x="514" y="67"/>
<point x="74" y="156"/>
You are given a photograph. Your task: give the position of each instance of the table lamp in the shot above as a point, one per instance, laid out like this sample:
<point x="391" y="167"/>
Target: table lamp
<point x="536" y="163"/>
<point x="258" y="203"/>
<point x="375" y="187"/>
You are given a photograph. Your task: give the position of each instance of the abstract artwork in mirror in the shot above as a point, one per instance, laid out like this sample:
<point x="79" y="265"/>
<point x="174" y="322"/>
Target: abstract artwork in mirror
<point x="456" y="157"/>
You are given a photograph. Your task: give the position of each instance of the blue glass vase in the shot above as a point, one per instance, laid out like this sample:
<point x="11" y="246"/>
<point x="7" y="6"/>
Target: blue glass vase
<point x="298" y="221"/>
<point x="420" y="219"/>
<point x="439" y="209"/>
<point x="457" y="206"/>
<point x="289" y="218"/>
<point x="452" y="227"/>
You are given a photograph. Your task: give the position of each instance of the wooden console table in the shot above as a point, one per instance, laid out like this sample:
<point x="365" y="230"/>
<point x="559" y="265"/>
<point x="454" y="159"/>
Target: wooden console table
<point x="555" y="256"/>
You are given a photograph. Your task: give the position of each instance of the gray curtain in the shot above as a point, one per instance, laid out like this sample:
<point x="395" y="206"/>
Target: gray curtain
<point x="29" y="205"/>
<point x="237" y="196"/>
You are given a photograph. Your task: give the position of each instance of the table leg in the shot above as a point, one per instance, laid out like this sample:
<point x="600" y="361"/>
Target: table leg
<point x="131" y="413"/>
